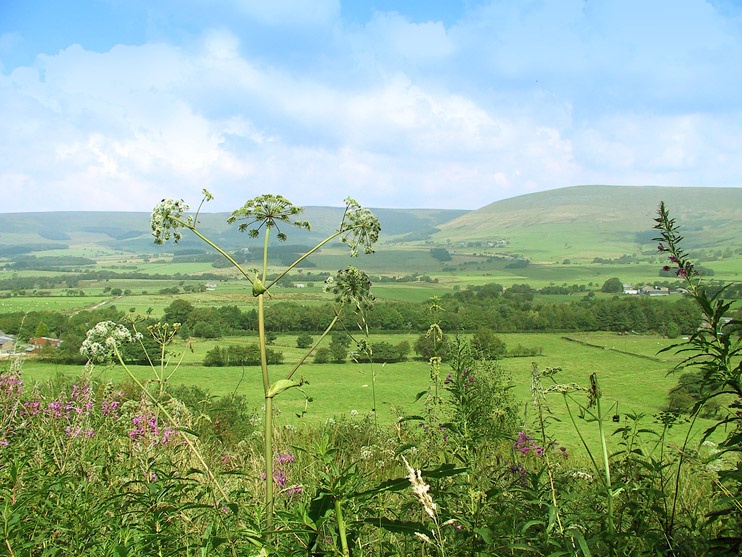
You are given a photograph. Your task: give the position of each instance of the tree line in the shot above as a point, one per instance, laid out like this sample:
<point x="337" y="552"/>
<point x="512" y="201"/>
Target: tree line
<point x="489" y="307"/>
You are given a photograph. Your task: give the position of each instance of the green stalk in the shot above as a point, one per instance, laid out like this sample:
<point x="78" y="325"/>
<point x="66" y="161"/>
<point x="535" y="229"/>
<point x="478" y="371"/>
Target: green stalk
<point x="545" y="445"/>
<point x="268" y="416"/>
<point x="579" y="433"/>
<point x="216" y="248"/>
<point x="604" y="447"/>
<point x="307" y="254"/>
<point x="316" y="344"/>
<point x="341" y="527"/>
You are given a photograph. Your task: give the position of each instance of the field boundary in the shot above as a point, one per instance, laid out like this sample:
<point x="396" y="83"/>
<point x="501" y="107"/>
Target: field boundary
<point x="584" y="343"/>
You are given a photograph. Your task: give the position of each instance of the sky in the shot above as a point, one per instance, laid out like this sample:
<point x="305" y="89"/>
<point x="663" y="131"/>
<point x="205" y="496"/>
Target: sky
<point x="113" y="105"/>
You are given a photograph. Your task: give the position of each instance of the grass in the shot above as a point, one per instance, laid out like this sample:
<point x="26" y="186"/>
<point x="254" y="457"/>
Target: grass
<point x="633" y="379"/>
<point x="48" y="303"/>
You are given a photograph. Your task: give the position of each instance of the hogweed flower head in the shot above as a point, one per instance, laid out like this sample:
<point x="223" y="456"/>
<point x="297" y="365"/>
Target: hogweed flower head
<point x="167" y="218"/>
<point x="163" y="333"/>
<point x="268" y="211"/>
<point x="102" y="340"/>
<point x="359" y="228"/>
<point x="351" y="286"/>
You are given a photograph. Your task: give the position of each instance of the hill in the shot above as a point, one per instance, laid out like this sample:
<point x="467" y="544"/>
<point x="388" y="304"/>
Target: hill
<point x="599" y="221"/>
<point x="577" y="223"/>
<point x="27" y="233"/>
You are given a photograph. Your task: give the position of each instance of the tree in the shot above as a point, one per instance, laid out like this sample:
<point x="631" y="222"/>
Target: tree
<point x="185" y="331"/>
<point x="322" y="355"/>
<point x="426" y="347"/>
<point x="612" y="286"/>
<point x="178" y="311"/>
<point x="382" y="352"/>
<point x="672" y="330"/>
<point x="204" y="329"/>
<point x="488" y="345"/>
<point x="304" y="340"/>
<point x="339" y="347"/>
<point x="214" y="357"/>
<point x="42" y="330"/>
<point x="441" y="254"/>
<point x="403" y="349"/>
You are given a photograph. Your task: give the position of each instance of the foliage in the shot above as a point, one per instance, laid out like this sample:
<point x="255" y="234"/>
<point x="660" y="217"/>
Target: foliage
<point x="339" y="347"/>
<point x="426" y="346"/>
<point x="714" y="350"/>
<point x="304" y="340"/>
<point x="441" y="254"/>
<point x="612" y="286"/>
<point x="237" y="355"/>
<point x="487" y="345"/>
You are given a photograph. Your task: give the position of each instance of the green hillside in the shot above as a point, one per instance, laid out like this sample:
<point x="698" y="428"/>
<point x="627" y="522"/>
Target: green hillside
<point x="574" y="225"/>
<point x="584" y="222"/>
<point x="25" y="233"/>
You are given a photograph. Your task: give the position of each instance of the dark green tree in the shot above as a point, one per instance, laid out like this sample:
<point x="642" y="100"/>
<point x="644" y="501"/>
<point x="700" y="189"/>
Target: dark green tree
<point x="612" y="286"/>
<point x="304" y="340"/>
<point x="487" y="345"/>
<point x="322" y="355"/>
<point x="339" y="347"/>
<point x="178" y="311"/>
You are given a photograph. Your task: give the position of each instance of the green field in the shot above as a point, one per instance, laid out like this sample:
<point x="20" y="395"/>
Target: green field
<point x="632" y="377"/>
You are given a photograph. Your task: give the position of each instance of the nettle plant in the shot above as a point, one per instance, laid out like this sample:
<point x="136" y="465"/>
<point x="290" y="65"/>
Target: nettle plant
<point x="265" y="214"/>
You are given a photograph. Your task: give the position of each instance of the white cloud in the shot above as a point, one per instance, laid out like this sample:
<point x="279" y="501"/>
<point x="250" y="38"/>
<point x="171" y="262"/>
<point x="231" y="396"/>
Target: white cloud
<point x="390" y="36"/>
<point x="512" y="99"/>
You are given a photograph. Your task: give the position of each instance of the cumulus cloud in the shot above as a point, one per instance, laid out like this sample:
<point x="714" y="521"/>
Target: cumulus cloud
<point x="510" y="99"/>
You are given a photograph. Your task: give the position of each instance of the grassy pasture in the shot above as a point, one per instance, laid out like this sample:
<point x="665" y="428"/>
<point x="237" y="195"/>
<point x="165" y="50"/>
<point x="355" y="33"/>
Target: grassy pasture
<point x="49" y="303"/>
<point x="633" y="379"/>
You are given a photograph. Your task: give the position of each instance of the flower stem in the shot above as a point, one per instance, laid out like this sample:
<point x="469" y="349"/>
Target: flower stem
<point x="341" y="527"/>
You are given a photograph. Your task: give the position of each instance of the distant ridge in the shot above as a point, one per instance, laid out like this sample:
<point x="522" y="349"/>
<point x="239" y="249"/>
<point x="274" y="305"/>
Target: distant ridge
<point x="579" y="222"/>
<point x="603" y="204"/>
<point x="130" y="231"/>
<point x="584" y="216"/>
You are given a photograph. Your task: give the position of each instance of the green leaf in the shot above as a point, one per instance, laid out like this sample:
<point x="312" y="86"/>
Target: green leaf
<point x="397" y="526"/>
<point x="280" y="386"/>
<point x="399" y="484"/>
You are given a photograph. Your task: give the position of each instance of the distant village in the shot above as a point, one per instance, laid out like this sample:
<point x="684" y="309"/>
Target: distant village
<point x="9" y="345"/>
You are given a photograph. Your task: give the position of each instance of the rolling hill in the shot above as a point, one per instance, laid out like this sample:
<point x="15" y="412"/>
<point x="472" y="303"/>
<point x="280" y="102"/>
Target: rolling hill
<point x="593" y="221"/>
<point x="580" y="222"/>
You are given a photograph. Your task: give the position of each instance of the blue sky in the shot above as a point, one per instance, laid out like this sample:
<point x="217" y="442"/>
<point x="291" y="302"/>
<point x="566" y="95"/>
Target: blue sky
<point x="115" y="104"/>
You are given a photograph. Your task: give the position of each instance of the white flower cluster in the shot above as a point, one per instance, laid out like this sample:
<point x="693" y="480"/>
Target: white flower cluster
<point x="103" y="339"/>
<point x="166" y="218"/>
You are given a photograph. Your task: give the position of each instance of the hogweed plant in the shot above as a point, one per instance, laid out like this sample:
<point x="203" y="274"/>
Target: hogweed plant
<point x="358" y="228"/>
<point x="352" y="288"/>
<point x="104" y="343"/>
<point x="433" y="395"/>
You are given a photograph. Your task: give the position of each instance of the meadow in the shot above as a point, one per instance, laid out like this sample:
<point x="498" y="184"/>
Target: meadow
<point x="571" y="451"/>
<point x="344" y="390"/>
